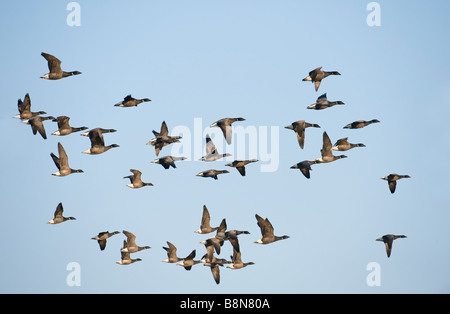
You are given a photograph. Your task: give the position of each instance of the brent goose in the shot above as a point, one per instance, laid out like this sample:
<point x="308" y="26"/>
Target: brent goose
<point x="231" y="235"/>
<point x="225" y="125"/>
<point x="162" y="138"/>
<point x="168" y="161"/>
<point x="343" y="145"/>
<point x="392" y="180"/>
<point x="322" y="103"/>
<point x="317" y="75"/>
<point x="131" y="246"/>
<point x="54" y="66"/>
<point x="58" y="216"/>
<point x="240" y="165"/>
<point x="24" y="108"/>
<point x="135" y="179"/>
<point x="131" y="102"/>
<point x="205" y="226"/>
<point x="237" y="261"/>
<point x="305" y="167"/>
<point x="37" y="125"/>
<point x="97" y="141"/>
<point x="188" y="262"/>
<point x="299" y="128"/>
<point x="267" y="231"/>
<point x="211" y="152"/>
<point x="62" y="163"/>
<point x="171" y="253"/>
<point x="360" y="124"/>
<point x="126" y="259"/>
<point x="102" y="236"/>
<point x="327" y="155"/>
<point x="388" y="239"/>
<point x="64" y="128"/>
<point x="211" y="173"/>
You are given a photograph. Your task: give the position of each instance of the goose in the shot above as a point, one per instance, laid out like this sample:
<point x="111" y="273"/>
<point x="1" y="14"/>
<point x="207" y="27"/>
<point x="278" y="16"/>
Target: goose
<point x="162" y="138"/>
<point x="205" y="226"/>
<point x="62" y="163"/>
<point x="54" y="66"/>
<point x="225" y="125"/>
<point x="131" y="246"/>
<point x="213" y="262"/>
<point x="322" y="103"/>
<point x="136" y="181"/>
<point x="102" y="236"/>
<point x="188" y="262"/>
<point x="360" y="124"/>
<point x="299" y="128"/>
<point x="24" y="108"/>
<point x="126" y="259"/>
<point x="388" y="239"/>
<point x="214" y="243"/>
<point x="211" y="173"/>
<point x="215" y="271"/>
<point x="209" y="255"/>
<point x="327" y="155"/>
<point x="343" y="145"/>
<point x="211" y="152"/>
<point x="129" y="101"/>
<point x="171" y="254"/>
<point x="168" y="161"/>
<point x="64" y="128"/>
<point x="97" y="141"/>
<point x="237" y="261"/>
<point x="218" y="239"/>
<point x="392" y="180"/>
<point x="37" y="125"/>
<point x="240" y="165"/>
<point x="267" y="231"/>
<point x="58" y="216"/>
<point x="231" y="235"/>
<point x="305" y="167"/>
<point x="317" y="75"/>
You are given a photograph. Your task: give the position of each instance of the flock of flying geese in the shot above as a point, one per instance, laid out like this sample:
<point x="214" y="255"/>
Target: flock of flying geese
<point x="162" y="139"/>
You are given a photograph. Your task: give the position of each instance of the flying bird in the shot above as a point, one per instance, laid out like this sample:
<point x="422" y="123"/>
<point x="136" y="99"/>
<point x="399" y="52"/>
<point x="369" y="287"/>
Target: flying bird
<point x="129" y="101"/>
<point x="162" y="138"/>
<point x="327" y="155"/>
<point x="58" y="216"/>
<point x="125" y="256"/>
<point x="64" y="128"/>
<point x="225" y="125"/>
<point x="240" y="165"/>
<point x="62" y="163"/>
<point x="168" y="161"/>
<point x="211" y="153"/>
<point x="212" y="173"/>
<point x="323" y="103"/>
<point x="205" y="226"/>
<point x="299" y="128"/>
<point x="360" y="124"/>
<point x="102" y="236"/>
<point x="317" y="75"/>
<point x="343" y="145"/>
<point x="24" y="108"/>
<point x="37" y="125"/>
<point x="237" y="261"/>
<point x="304" y="167"/>
<point x="131" y="246"/>
<point x="189" y="261"/>
<point x="392" y="180"/>
<point x="388" y="239"/>
<point x="54" y="66"/>
<point x="97" y="141"/>
<point x="267" y="231"/>
<point x="135" y="180"/>
<point x="171" y="254"/>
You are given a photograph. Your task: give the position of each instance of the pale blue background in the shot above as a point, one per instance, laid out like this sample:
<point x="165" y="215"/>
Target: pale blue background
<point x="215" y="59"/>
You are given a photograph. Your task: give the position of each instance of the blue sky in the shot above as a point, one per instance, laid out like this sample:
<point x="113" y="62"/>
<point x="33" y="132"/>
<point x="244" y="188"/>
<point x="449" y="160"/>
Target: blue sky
<point x="207" y="60"/>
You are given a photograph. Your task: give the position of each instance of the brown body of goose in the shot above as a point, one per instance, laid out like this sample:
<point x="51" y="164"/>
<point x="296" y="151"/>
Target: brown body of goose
<point x="343" y="145"/>
<point x="168" y="161"/>
<point x="360" y="124"/>
<point x="225" y="125"/>
<point x="304" y="167"/>
<point x="64" y="128"/>
<point x="211" y="152"/>
<point x="131" y="246"/>
<point x="54" y="66"/>
<point x="24" y="108"/>
<point x="323" y="103"/>
<point x="97" y="141"/>
<point x="189" y="261"/>
<point x="388" y="239"/>
<point x="62" y="163"/>
<point x="267" y="231"/>
<point x="37" y="124"/>
<point x="129" y="101"/>
<point x="171" y="253"/>
<point x="126" y="257"/>
<point x="317" y="75"/>
<point x="102" y="237"/>
<point x="135" y="180"/>
<point x="211" y="173"/>
<point x="327" y="155"/>
<point x="237" y="261"/>
<point x="58" y="216"/>
<point x="392" y="180"/>
<point x="299" y="128"/>
<point x="162" y="138"/>
<point x="240" y="165"/>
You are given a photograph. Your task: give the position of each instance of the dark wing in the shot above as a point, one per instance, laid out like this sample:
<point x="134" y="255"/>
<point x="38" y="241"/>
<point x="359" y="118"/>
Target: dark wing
<point x="341" y="141"/>
<point x="54" y="64"/>
<point x="392" y="185"/>
<point x="164" y="129"/>
<point x="102" y="244"/>
<point x="326" y="147"/>
<point x="63" y="160"/>
<point x="241" y="170"/>
<point x="96" y="138"/>
<point x="59" y="211"/>
<point x="63" y="122"/>
<point x="299" y="129"/>
<point x="130" y="238"/>
<point x="215" y="272"/>
<point x="388" y="243"/>
<point x="205" y="218"/>
<point x="24" y="105"/>
<point x="128" y="98"/>
<point x="38" y="126"/>
<point x="226" y="130"/>
<point x="55" y="160"/>
<point x="265" y="225"/>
